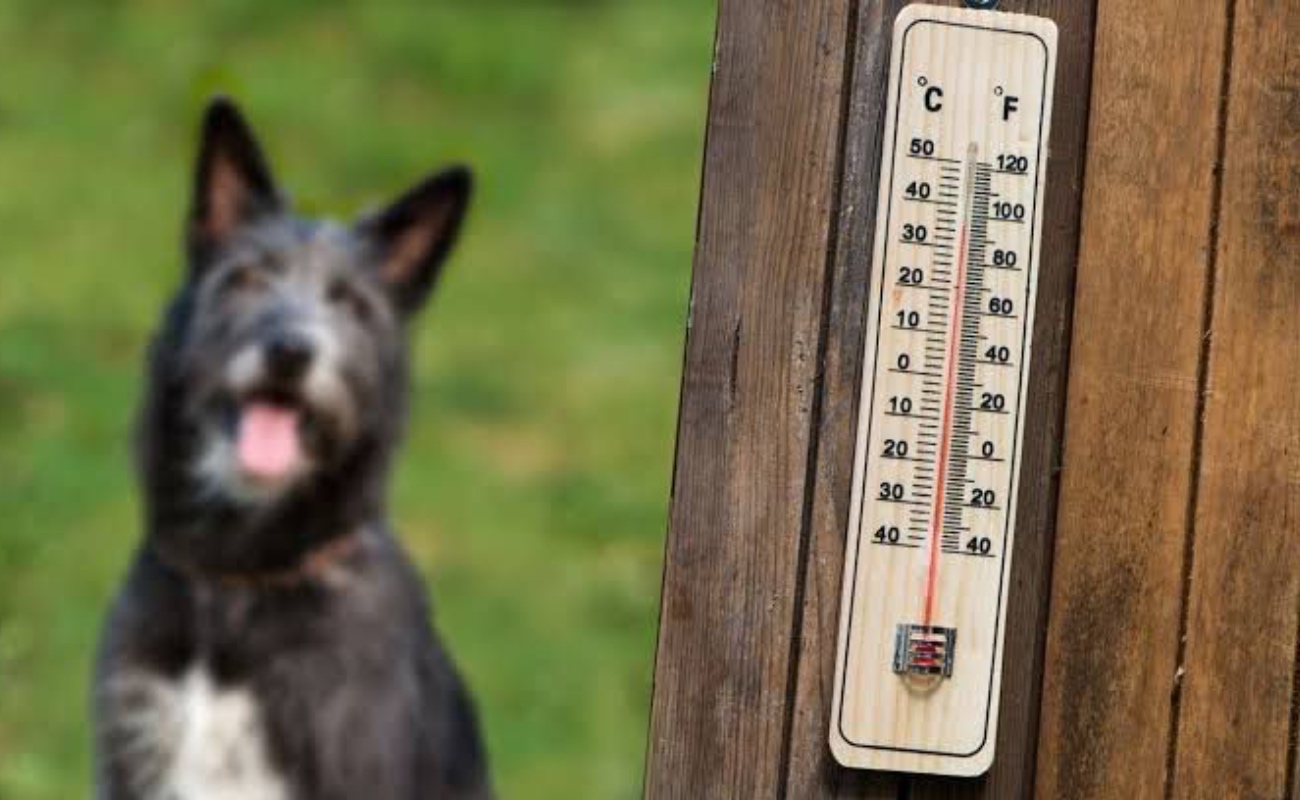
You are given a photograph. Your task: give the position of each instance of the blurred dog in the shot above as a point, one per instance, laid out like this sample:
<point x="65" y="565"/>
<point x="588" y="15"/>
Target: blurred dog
<point x="271" y="640"/>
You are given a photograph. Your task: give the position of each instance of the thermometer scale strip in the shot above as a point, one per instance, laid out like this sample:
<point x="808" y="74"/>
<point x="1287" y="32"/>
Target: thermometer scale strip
<point x="941" y="410"/>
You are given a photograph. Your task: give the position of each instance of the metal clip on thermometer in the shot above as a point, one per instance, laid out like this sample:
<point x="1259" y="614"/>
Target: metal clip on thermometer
<point x="941" y="410"/>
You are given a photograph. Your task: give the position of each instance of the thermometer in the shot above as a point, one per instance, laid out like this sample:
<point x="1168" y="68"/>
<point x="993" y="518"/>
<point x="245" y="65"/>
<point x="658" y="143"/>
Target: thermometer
<point x="941" y="408"/>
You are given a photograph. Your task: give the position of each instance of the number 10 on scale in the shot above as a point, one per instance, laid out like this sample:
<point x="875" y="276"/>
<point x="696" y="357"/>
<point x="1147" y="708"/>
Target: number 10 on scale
<point x="946" y="368"/>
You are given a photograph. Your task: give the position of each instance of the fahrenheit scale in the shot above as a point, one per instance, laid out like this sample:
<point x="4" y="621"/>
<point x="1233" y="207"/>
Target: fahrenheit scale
<point x="951" y="310"/>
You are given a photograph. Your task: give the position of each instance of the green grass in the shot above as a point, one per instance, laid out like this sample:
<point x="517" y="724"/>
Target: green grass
<point x="534" y="488"/>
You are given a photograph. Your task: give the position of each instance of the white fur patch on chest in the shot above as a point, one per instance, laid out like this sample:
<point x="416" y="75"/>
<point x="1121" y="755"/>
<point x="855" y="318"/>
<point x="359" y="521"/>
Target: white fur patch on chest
<point x="193" y="740"/>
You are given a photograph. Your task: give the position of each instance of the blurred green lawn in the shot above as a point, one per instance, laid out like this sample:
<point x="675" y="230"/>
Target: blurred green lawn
<point x="534" y="488"/>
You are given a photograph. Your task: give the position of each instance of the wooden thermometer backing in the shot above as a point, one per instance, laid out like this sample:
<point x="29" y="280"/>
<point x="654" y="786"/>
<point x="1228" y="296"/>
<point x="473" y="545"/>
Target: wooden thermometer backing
<point x="941" y="410"/>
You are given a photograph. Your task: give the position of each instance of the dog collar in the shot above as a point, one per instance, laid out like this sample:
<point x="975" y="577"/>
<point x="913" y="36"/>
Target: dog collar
<point x="318" y="561"/>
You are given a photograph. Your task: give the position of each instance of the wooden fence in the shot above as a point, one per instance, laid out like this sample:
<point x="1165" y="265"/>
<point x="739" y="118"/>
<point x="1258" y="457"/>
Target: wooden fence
<point x="1151" y="648"/>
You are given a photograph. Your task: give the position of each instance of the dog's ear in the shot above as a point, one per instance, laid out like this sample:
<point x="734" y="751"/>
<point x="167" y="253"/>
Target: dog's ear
<point x="412" y="237"/>
<point x="232" y="183"/>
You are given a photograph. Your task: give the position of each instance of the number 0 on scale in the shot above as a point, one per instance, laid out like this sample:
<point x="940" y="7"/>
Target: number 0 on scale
<point x="951" y="309"/>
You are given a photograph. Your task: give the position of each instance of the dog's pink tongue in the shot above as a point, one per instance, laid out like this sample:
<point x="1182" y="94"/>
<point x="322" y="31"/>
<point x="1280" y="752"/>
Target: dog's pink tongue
<point x="268" y="440"/>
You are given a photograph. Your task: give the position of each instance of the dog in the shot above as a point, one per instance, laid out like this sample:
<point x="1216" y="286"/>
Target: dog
<point x="271" y="640"/>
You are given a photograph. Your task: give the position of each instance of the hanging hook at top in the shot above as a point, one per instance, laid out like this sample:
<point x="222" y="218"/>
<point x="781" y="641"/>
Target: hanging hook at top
<point x="985" y="5"/>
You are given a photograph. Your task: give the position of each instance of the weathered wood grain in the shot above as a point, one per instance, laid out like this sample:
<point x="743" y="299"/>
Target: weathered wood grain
<point x="812" y="772"/>
<point x="762" y="485"/>
<point x="733" y="552"/>
<point x="1238" y="672"/>
<point x="1131" y="415"/>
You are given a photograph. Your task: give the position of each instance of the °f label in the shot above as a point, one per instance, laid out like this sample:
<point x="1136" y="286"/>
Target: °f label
<point x="937" y="469"/>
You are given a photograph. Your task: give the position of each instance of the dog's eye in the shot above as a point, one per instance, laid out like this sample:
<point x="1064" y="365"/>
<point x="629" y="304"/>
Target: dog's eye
<point x="344" y="296"/>
<point x="244" y="278"/>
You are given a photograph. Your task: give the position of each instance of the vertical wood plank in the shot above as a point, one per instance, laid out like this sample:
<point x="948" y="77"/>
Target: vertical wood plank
<point x="1238" y="672"/>
<point x="723" y="663"/>
<point x="812" y="772"/>
<point x="1131" y="414"/>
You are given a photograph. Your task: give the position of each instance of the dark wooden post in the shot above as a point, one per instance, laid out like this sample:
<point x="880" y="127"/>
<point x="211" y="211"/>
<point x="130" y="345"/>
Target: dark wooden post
<point x="1160" y="496"/>
<point x="1171" y="660"/>
<point x="736" y="549"/>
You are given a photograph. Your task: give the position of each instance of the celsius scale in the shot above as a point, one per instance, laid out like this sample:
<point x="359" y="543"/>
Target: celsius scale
<point x="941" y="410"/>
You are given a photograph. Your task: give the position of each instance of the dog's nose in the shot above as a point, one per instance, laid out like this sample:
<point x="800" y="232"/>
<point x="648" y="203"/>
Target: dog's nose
<point x="288" y="354"/>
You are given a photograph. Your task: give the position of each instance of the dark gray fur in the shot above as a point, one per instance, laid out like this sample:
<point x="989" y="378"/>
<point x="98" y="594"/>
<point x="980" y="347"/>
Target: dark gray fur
<point x="357" y="696"/>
